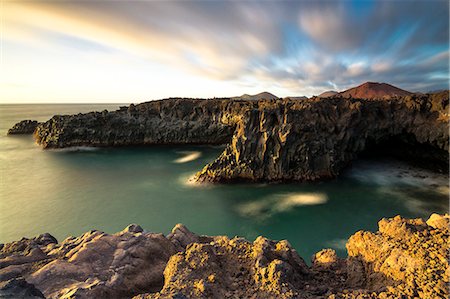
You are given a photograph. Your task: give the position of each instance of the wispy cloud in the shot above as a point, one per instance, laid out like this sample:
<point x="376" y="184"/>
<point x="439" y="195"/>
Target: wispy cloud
<point x="139" y="50"/>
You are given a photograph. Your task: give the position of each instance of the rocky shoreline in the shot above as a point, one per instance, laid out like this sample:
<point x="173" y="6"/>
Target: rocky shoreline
<point x="24" y="127"/>
<point x="405" y="258"/>
<point x="270" y="140"/>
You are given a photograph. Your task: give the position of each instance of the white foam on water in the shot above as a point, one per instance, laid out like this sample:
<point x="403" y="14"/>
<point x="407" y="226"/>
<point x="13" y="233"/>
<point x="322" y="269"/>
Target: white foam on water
<point x="254" y="208"/>
<point x="291" y="200"/>
<point x="280" y="203"/>
<point x="188" y="180"/>
<point x="75" y="149"/>
<point x="396" y="173"/>
<point x="188" y="157"/>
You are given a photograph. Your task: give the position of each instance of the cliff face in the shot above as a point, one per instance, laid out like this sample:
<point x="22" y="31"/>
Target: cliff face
<point x="23" y="127"/>
<point x="171" y="121"/>
<point x="268" y="140"/>
<point x="406" y="258"/>
<point x="285" y="140"/>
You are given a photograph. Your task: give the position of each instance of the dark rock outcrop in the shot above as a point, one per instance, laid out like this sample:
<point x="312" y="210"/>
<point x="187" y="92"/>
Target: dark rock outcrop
<point x="316" y="139"/>
<point x="19" y="288"/>
<point x="269" y="140"/>
<point x="23" y="127"/>
<point x="171" y="121"/>
<point x="406" y="258"/>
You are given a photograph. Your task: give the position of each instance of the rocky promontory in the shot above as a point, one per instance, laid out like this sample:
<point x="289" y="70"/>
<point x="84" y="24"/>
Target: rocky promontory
<point x="406" y="258"/>
<point x="316" y="139"/>
<point x="272" y="139"/>
<point x="24" y="127"/>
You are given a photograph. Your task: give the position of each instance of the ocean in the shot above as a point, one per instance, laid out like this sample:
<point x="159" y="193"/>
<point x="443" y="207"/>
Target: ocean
<point x="70" y="191"/>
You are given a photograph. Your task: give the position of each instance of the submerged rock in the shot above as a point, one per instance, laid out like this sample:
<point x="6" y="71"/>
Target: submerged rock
<point x="24" y="127"/>
<point x="406" y="258"/>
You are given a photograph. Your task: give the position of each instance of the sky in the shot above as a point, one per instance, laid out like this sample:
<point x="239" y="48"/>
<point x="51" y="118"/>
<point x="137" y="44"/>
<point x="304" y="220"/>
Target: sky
<point x="134" y="51"/>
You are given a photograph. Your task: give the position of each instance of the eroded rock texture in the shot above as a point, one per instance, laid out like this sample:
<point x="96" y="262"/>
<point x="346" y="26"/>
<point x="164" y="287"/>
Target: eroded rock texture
<point x="406" y="258"/>
<point x="94" y="265"/>
<point x="316" y="139"/>
<point x="23" y="127"/>
<point x="234" y="268"/>
<point x="273" y="139"/>
<point x="171" y="121"/>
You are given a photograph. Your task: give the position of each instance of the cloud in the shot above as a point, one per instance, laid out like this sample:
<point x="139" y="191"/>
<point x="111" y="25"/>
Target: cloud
<point x="216" y="48"/>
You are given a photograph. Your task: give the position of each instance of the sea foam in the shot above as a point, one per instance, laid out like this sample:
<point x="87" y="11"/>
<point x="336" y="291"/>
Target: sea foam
<point x="188" y="157"/>
<point x="76" y="149"/>
<point x="280" y="203"/>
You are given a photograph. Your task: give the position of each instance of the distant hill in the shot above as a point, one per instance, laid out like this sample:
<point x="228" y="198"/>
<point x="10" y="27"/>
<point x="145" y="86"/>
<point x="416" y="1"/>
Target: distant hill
<point x="297" y="98"/>
<point x="328" y="94"/>
<point x="260" y="96"/>
<point x="374" y="90"/>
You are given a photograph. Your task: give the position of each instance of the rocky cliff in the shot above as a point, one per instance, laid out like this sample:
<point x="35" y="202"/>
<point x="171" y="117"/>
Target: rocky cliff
<point x="171" y="121"/>
<point x="406" y="258"/>
<point x="23" y="127"/>
<point x="315" y="139"/>
<point x="273" y="139"/>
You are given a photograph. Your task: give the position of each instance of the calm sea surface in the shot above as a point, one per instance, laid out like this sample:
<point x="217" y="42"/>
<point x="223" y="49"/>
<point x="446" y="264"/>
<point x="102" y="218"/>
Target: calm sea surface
<point x="67" y="192"/>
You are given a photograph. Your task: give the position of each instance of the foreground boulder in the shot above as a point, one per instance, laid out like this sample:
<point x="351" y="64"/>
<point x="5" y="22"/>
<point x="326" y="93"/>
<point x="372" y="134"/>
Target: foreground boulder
<point x="19" y="288"/>
<point x="234" y="268"/>
<point x="23" y="127"/>
<point x="406" y="258"/>
<point x="94" y="265"/>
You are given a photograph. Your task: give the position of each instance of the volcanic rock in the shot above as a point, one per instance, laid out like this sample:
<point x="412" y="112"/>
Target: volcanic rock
<point x="316" y="139"/>
<point x="256" y="97"/>
<point x="406" y="258"/>
<point x="18" y="288"/>
<point x="23" y="127"/>
<point x="374" y="90"/>
<point x="270" y="140"/>
<point x="328" y="94"/>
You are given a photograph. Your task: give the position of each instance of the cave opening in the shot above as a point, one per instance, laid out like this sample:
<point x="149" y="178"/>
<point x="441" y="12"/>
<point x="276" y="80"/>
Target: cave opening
<point x="405" y="147"/>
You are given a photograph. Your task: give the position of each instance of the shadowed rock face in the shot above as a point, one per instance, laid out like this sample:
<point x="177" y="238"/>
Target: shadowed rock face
<point x="23" y="127"/>
<point x="19" y="288"/>
<point x="94" y="265"/>
<point x="172" y="121"/>
<point x="268" y="140"/>
<point x="316" y="139"/>
<point x="406" y="258"/>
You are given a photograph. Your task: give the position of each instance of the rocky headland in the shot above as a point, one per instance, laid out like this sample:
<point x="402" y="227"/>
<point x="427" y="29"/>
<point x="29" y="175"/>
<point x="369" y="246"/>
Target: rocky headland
<point x="405" y="258"/>
<point x="24" y="127"/>
<point x="271" y="139"/>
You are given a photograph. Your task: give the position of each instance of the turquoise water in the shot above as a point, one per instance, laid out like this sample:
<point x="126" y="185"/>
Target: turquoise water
<point x="67" y="192"/>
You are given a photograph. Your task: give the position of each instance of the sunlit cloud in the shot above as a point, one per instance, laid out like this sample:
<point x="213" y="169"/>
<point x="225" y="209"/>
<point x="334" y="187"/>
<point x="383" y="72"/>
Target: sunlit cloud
<point x="115" y="51"/>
